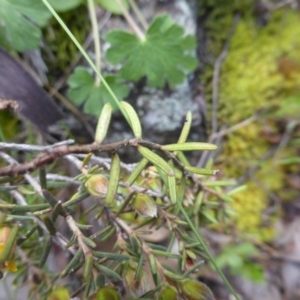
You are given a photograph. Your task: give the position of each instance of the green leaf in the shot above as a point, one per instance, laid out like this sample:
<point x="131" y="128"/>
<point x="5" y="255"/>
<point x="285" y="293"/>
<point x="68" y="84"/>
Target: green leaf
<point x="112" y="5"/>
<point x="19" y="23"/>
<point x="160" y="56"/>
<point x="84" y="90"/>
<point x="65" y="5"/>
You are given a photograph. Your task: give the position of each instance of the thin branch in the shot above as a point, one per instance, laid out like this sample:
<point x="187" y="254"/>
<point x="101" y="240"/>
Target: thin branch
<point x="32" y="148"/>
<point x="64" y="150"/>
<point x="274" y="6"/>
<point x="107" y="161"/>
<point x="95" y="30"/>
<point x="48" y="157"/>
<point x="236" y="127"/>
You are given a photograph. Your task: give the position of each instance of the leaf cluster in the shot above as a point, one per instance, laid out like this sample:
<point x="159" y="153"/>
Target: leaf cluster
<point x="160" y="56"/>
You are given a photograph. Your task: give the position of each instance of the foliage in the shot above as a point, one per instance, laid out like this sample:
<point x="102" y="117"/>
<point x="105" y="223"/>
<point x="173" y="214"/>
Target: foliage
<point x="159" y="56"/>
<point x="83" y="89"/>
<point x="128" y="204"/>
<point x="112" y="5"/>
<point x="238" y="259"/>
<point x="20" y="20"/>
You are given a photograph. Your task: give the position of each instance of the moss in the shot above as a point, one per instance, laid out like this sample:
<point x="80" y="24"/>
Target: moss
<point x="262" y="69"/>
<point x="63" y="50"/>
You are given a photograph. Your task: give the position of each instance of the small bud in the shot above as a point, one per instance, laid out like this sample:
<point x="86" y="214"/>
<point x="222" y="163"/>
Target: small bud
<point x="168" y="293"/>
<point x="97" y="185"/>
<point x="135" y="287"/>
<point x="7" y="247"/>
<point x="190" y="259"/>
<point x="154" y="184"/>
<point x="107" y="293"/>
<point x="188" y="198"/>
<point x="195" y="290"/>
<point x="59" y="293"/>
<point x="145" y="206"/>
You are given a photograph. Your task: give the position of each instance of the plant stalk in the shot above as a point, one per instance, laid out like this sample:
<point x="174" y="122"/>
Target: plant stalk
<point x="131" y="21"/>
<point x="95" y="30"/>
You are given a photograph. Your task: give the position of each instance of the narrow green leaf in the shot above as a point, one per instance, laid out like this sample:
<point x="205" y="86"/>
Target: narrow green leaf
<point x="137" y="171"/>
<point x="102" y="231"/>
<point x="139" y="266"/>
<point x="15" y="208"/>
<point x="89" y="242"/>
<point x="49" y="225"/>
<point x="84" y="226"/>
<point x="110" y="273"/>
<point x="110" y="255"/>
<point x="172" y="189"/>
<point x="186" y="128"/>
<point x="156" y="160"/>
<point x="125" y="203"/>
<point x="165" y="254"/>
<point x="173" y="276"/>
<point x="42" y="177"/>
<point x="49" y="198"/>
<point x="78" y="197"/>
<point x="71" y="265"/>
<point x="114" y="176"/>
<point x="72" y="241"/>
<point x="46" y="250"/>
<point x="135" y="123"/>
<point x="191" y="146"/>
<point x="103" y="123"/>
<point x="88" y="266"/>
<point x="109" y="233"/>
<point x="201" y="171"/>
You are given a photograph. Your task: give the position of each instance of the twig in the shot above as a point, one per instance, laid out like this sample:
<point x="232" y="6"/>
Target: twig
<point x="62" y="178"/>
<point x="60" y="151"/>
<point x="95" y="30"/>
<point x="236" y="127"/>
<point x="46" y="158"/>
<point x="107" y="161"/>
<point x="28" y="148"/>
<point x="273" y="6"/>
<point x="216" y="75"/>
